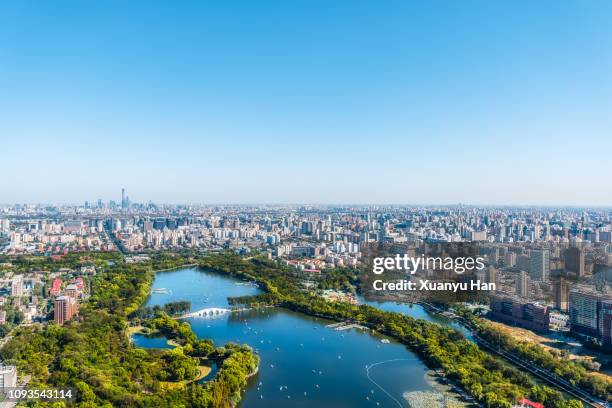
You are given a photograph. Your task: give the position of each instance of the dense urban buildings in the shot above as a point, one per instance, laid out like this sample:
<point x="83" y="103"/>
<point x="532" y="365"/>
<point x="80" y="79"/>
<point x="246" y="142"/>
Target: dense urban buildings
<point x="534" y="255"/>
<point x="514" y="310"/>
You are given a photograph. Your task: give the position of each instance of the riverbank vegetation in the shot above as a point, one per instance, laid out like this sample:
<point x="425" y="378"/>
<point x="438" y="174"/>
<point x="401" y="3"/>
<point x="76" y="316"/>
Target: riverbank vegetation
<point x="93" y="354"/>
<point x="549" y="359"/>
<point x="554" y="361"/>
<point x="489" y="380"/>
<point x="172" y="309"/>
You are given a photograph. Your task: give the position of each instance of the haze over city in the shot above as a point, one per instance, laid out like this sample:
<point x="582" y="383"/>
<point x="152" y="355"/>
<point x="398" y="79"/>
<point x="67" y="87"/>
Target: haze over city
<point x="306" y="102"/>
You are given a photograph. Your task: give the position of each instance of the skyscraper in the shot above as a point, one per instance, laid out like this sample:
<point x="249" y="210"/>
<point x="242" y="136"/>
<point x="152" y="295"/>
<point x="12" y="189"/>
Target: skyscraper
<point x="605" y="323"/>
<point x="591" y="316"/>
<point x="539" y="264"/>
<point x="65" y="308"/>
<point x="17" y="286"/>
<point x="510" y="259"/>
<point x="492" y="275"/>
<point x="574" y="260"/>
<point x="561" y="294"/>
<point x="522" y="284"/>
<point x="583" y="311"/>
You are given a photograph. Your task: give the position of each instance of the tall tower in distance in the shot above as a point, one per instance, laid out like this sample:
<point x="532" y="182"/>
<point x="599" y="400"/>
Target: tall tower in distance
<point x="123" y="198"/>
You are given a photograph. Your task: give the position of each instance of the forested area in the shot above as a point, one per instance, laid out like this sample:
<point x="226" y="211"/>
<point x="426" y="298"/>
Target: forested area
<point x="94" y="355"/>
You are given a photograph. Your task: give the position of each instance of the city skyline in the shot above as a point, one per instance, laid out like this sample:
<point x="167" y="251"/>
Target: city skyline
<point x="307" y="102"/>
<point x="117" y="202"/>
<point x="123" y="200"/>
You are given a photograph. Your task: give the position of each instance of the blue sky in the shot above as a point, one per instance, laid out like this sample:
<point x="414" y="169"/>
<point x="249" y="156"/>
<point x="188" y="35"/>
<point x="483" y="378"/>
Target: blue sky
<point x="307" y="101"/>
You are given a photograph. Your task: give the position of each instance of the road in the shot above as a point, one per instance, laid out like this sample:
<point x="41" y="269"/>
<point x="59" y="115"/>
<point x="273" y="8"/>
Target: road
<point x="546" y="375"/>
<point x="114" y="239"/>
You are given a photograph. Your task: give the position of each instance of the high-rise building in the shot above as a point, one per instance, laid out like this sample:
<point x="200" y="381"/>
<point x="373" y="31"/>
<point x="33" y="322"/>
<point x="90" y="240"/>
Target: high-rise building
<point x="123" y="199"/>
<point x="72" y="291"/>
<point x="561" y="294"/>
<point x="479" y="235"/>
<point x="605" y="323"/>
<point x="510" y="259"/>
<point x="17" y="286"/>
<point x="539" y="263"/>
<point x="523" y="263"/>
<point x="307" y="227"/>
<point x="574" y="260"/>
<point x="159" y="223"/>
<point x="147" y="226"/>
<point x="5" y="225"/>
<point x="65" y="308"/>
<point x="522" y="284"/>
<point x="591" y="316"/>
<point x="513" y="310"/>
<point x="492" y="275"/>
<point x="583" y="311"/>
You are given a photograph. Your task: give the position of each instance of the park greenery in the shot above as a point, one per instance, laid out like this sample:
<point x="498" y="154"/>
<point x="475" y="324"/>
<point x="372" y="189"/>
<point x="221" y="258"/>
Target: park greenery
<point x="94" y="355"/>
<point x="172" y="309"/>
<point x="488" y="379"/>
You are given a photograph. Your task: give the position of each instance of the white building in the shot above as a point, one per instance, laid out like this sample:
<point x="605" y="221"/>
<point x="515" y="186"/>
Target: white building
<point x="8" y="377"/>
<point x="17" y="286"/>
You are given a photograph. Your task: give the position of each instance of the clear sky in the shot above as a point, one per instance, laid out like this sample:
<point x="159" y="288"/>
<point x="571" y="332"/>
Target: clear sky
<point x="307" y="101"/>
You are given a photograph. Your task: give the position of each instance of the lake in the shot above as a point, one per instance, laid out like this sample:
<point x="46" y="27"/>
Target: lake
<point x="303" y="362"/>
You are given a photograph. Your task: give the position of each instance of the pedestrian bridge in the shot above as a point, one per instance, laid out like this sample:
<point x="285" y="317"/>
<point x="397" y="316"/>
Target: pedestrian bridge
<point x="207" y="312"/>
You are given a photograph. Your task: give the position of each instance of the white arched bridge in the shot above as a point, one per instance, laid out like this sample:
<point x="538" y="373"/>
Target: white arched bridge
<point x="207" y="312"/>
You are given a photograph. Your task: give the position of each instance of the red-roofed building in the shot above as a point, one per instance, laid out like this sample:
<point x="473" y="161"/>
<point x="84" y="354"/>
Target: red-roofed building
<point x="56" y="287"/>
<point x="526" y="403"/>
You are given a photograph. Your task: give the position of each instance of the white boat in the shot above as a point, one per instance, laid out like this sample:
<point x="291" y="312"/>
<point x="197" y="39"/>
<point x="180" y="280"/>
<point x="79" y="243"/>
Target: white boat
<point x="162" y="291"/>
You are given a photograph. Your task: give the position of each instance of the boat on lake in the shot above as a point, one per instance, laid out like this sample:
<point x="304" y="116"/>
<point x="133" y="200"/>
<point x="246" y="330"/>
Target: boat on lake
<point x="160" y="291"/>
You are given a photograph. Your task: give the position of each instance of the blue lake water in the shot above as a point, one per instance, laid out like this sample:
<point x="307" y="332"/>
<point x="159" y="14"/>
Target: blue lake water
<point x="303" y="362"/>
<point x="150" y="342"/>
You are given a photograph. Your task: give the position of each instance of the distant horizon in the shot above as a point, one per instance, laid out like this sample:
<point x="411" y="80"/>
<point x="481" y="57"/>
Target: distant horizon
<point x="330" y="204"/>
